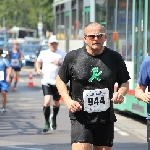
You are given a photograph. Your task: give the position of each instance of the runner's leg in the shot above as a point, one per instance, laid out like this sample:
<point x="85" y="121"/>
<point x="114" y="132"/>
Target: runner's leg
<point x="56" y="104"/>
<point x="4" y="90"/>
<point x="16" y="78"/>
<point x="3" y="93"/>
<point x="81" y="146"/>
<point x="148" y="133"/>
<point x="46" y="106"/>
<point x="12" y="76"/>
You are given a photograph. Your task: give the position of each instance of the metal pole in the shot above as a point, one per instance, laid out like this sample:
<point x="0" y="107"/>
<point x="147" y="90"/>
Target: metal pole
<point x="139" y="35"/>
<point x="116" y="16"/>
<point x="133" y="34"/>
<point x="77" y="18"/>
<point x="4" y="30"/>
<point x="40" y="17"/>
<point x="145" y="26"/>
<point x="127" y="29"/>
<point x="92" y="14"/>
<point x="40" y="29"/>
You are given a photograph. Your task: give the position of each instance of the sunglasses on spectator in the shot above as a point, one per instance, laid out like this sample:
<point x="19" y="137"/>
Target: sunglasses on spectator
<point x="92" y="36"/>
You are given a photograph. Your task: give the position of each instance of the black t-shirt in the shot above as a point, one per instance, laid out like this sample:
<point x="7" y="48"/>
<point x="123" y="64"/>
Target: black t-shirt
<point x="77" y="68"/>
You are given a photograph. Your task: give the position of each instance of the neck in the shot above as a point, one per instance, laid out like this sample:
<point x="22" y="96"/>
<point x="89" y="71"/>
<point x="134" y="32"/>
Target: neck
<point x="52" y="50"/>
<point x="94" y="52"/>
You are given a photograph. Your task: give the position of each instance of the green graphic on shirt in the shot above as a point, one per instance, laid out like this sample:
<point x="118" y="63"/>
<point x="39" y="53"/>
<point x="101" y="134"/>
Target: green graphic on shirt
<point x="95" y="74"/>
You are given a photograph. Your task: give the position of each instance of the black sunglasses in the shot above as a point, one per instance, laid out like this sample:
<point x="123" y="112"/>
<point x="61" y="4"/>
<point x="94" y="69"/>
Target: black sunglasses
<point x="92" y="36"/>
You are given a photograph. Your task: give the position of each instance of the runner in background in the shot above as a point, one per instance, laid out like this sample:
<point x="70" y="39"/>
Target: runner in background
<point x="4" y="78"/>
<point x="51" y="61"/>
<point x="15" y="56"/>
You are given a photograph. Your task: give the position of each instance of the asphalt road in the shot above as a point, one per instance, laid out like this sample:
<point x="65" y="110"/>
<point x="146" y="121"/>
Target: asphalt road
<point x="21" y="126"/>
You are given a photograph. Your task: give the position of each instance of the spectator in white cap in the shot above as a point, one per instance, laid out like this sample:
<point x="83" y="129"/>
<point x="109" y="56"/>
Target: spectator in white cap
<point x="51" y="61"/>
<point x="53" y="39"/>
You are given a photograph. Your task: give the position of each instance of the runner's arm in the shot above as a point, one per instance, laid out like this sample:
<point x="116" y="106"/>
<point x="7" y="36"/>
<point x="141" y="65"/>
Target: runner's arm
<point x="8" y="56"/>
<point x="62" y="89"/>
<point x="22" y="55"/>
<point x="123" y="88"/>
<point x="38" y="64"/>
<point x="140" y="93"/>
<point x="9" y="71"/>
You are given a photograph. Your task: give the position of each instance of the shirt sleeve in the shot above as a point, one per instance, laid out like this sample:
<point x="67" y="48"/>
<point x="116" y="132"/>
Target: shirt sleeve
<point x="122" y="72"/>
<point x="143" y="78"/>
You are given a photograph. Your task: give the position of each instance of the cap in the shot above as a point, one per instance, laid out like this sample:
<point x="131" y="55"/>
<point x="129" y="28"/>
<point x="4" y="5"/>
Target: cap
<point x="53" y="39"/>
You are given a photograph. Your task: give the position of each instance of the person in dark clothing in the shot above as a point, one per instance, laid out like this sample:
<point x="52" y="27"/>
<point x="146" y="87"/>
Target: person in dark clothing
<point x="92" y="72"/>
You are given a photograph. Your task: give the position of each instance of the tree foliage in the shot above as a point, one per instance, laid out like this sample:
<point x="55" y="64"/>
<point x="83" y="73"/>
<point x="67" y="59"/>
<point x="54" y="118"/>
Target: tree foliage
<point x="26" y="13"/>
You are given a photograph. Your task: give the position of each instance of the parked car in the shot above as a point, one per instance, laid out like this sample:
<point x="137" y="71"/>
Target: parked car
<point x="44" y="42"/>
<point x="41" y="48"/>
<point x="29" y="51"/>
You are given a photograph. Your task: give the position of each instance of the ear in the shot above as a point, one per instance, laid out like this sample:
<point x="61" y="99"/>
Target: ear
<point x="105" y="36"/>
<point x="84" y="39"/>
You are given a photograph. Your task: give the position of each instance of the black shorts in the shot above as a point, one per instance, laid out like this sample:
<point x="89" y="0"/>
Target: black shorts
<point x="98" y="135"/>
<point x="51" y="90"/>
<point x="16" y="69"/>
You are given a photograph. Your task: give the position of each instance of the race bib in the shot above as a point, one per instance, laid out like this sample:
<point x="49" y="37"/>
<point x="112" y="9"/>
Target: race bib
<point x="1" y="75"/>
<point x="96" y="100"/>
<point x="15" y="62"/>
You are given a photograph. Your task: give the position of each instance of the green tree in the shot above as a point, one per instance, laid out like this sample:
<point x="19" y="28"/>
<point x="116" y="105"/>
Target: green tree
<point x="25" y="13"/>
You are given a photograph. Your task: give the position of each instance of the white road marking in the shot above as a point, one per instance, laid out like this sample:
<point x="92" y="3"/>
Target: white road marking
<point x="120" y="132"/>
<point x="21" y="80"/>
<point x="16" y="147"/>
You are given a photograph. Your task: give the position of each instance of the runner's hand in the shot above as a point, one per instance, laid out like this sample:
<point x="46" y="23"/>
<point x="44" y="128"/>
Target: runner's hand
<point x="39" y="71"/>
<point x="146" y="97"/>
<point x="118" y="98"/>
<point x="56" y="62"/>
<point x="74" y="106"/>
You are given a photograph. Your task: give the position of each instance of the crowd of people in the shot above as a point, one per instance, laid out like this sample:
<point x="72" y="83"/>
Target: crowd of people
<point x="91" y="72"/>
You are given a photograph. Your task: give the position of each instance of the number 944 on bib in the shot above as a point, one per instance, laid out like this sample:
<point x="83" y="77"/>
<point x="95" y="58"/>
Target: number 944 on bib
<point x="96" y="100"/>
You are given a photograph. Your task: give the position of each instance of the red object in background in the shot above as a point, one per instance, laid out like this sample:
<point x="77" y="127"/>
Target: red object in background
<point x="115" y="36"/>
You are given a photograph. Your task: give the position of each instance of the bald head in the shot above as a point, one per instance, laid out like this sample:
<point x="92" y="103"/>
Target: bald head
<point x="95" y="25"/>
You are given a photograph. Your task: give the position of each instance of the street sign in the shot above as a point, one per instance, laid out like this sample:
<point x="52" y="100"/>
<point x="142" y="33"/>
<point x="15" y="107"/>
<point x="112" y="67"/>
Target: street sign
<point x="40" y="25"/>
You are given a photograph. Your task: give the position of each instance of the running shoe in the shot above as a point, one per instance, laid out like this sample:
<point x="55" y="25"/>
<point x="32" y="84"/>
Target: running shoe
<point x="14" y="89"/>
<point x="46" y="129"/>
<point x="53" y="124"/>
<point x="4" y="109"/>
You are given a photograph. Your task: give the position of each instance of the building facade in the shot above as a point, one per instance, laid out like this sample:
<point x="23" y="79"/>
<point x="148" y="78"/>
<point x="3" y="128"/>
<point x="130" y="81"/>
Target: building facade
<point x="127" y="25"/>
